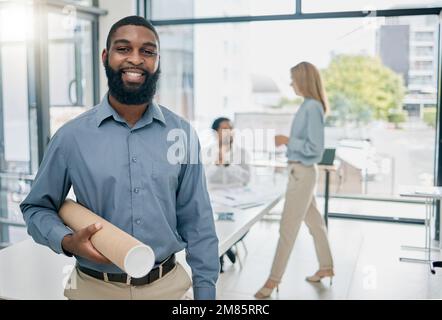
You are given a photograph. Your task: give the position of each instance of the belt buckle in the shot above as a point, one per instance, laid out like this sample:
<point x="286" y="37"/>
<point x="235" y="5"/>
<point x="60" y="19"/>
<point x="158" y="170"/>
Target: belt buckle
<point x="128" y="279"/>
<point x="105" y="277"/>
<point x="161" y="271"/>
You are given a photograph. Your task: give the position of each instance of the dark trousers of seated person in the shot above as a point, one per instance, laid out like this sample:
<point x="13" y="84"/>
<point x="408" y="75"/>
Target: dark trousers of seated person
<point x="231" y="254"/>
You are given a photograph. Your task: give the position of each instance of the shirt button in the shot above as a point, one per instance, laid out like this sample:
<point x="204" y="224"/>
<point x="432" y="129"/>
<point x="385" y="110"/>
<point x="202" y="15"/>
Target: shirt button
<point x="136" y="190"/>
<point x="138" y="221"/>
<point x="134" y="159"/>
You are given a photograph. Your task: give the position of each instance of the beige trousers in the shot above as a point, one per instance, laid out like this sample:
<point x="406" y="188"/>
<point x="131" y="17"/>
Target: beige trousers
<point x="172" y="286"/>
<point x="300" y="205"/>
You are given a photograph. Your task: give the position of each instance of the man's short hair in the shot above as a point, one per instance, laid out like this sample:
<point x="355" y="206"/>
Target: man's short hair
<point x="130" y="21"/>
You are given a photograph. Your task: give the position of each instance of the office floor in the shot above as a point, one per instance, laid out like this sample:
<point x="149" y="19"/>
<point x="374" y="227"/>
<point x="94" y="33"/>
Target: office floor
<point x="366" y="264"/>
<point x="366" y="258"/>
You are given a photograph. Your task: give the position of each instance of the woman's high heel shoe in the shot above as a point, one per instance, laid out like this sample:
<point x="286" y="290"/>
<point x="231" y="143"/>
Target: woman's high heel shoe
<point x="321" y="274"/>
<point x="266" y="292"/>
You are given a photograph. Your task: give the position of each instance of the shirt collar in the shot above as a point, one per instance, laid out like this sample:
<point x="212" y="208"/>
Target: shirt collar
<point x="105" y="111"/>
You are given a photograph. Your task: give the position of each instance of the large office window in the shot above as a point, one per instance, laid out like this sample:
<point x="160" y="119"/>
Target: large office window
<point x="47" y="76"/>
<point x="70" y="68"/>
<point x="380" y="75"/>
<point x="17" y="119"/>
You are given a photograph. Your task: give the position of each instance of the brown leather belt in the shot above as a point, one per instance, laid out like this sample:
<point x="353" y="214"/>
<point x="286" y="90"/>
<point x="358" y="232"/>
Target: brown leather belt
<point x="155" y="274"/>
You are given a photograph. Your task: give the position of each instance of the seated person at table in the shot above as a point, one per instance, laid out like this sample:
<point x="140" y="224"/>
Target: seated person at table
<point x="226" y="166"/>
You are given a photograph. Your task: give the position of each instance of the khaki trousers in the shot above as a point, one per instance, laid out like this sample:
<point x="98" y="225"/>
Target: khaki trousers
<point x="300" y="205"/>
<point x="172" y="286"/>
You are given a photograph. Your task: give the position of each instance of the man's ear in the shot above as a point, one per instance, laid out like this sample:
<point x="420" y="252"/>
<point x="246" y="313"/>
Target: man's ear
<point x="104" y="56"/>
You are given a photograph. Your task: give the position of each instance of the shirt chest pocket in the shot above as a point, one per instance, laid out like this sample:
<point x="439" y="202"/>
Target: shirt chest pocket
<point x="165" y="179"/>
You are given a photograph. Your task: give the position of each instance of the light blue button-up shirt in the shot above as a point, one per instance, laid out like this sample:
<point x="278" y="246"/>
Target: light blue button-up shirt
<point x="306" y="141"/>
<point x="126" y="176"/>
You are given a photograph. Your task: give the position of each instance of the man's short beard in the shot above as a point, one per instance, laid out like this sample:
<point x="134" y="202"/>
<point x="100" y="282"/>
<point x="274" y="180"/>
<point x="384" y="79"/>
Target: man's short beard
<point x="140" y="95"/>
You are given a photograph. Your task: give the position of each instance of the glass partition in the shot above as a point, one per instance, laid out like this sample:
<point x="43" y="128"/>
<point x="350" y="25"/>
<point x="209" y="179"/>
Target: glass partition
<point x="381" y="79"/>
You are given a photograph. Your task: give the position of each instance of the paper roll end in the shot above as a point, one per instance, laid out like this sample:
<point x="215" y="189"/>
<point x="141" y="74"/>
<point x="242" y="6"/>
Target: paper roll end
<point x="139" y="261"/>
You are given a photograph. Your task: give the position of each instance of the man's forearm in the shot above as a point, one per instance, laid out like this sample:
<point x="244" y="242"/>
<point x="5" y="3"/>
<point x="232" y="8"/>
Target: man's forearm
<point x="45" y="227"/>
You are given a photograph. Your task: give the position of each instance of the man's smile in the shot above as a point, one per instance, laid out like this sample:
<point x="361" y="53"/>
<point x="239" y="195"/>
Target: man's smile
<point x="133" y="75"/>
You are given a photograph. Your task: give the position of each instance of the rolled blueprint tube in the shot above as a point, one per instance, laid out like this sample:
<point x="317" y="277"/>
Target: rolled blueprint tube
<point x="126" y="252"/>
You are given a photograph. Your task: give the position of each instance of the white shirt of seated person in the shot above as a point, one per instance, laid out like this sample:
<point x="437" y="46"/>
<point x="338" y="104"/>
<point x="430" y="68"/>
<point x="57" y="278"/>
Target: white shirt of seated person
<point x="234" y="170"/>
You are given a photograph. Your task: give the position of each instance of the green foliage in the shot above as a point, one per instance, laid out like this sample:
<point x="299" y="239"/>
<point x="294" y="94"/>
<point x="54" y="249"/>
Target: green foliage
<point x="289" y="102"/>
<point x="430" y="116"/>
<point x="345" y="110"/>
<point x="397" y="117"/>
<point x="361" y="87"/>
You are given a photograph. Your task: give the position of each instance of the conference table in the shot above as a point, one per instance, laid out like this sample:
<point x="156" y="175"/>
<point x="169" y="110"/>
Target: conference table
<point x="279" y="164"/>
<point x="33" y="272"/>
<point x="430" y="195"/>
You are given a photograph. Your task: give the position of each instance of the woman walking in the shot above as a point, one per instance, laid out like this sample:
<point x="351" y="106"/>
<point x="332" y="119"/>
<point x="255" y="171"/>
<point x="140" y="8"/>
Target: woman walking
<point x="305" y="147"/>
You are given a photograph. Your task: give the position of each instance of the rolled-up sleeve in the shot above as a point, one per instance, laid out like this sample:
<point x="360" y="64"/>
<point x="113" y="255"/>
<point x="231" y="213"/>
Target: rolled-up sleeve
<point x="49" y="190"/>
<point x="195" y="224"/>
